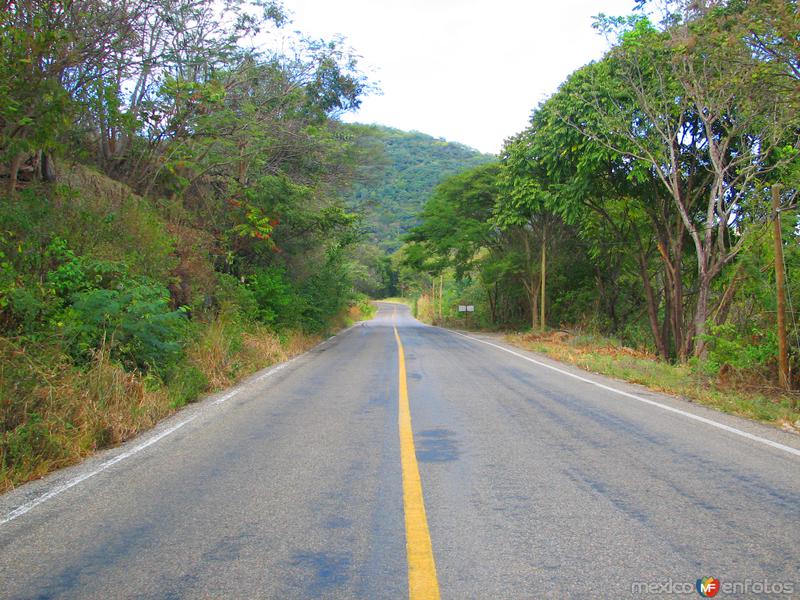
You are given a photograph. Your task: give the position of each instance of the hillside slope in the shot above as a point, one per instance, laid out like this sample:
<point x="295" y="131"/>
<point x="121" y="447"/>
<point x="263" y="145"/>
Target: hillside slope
<point x="394" y="190"/>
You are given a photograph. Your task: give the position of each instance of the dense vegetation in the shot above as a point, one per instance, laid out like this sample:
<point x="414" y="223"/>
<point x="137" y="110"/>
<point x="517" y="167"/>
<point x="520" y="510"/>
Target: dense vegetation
<point x="390" y="192"/>
<point x="172" y="213"/>
<point x="394" y="190"/>
<point x="638" y="202"/>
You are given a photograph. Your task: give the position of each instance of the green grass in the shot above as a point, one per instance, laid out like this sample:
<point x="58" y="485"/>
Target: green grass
<point x="684" y="380"/>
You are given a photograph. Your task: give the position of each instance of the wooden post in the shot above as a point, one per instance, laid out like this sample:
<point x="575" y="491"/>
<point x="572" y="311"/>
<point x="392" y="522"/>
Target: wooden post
<point x="441" y="296"/>
<point x="544" y="278"/>
<point x="780" y="285"/>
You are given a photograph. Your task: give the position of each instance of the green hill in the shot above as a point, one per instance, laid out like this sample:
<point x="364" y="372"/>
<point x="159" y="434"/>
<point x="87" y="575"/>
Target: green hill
<point x="409" y="166"/>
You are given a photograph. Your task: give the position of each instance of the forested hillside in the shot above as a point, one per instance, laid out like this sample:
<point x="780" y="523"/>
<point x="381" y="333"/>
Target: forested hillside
<point x="652" y="199"/>
<point x="171" y="215"/>
<point x="394" y="189"/>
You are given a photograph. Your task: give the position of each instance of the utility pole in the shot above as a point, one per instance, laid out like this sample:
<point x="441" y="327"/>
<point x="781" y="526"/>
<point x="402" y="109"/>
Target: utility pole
<point x="780" y="285"/>
<point x="544" y="277"/>
<point x="441" y="296"/>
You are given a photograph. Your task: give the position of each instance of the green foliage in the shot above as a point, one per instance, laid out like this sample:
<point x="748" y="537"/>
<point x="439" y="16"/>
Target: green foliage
<point x="231" y="292"/>
<point x="186" y="384"/>
<point x="456" y="220"/>
<point x="753" y="350"/>
<point x="414" y="165"/>
<point x="28" y="443"/>
<point x="366" y="307"/>
<point x="326" y="293"/>
<point x="278" y="303"/>
<point x="135" y="323"/>
<point x="68" y="276"/>
<point x="181" y="199"/>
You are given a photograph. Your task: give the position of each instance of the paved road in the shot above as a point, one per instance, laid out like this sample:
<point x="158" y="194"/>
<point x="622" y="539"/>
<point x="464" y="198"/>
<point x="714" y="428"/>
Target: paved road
<point x="535" y="484"/>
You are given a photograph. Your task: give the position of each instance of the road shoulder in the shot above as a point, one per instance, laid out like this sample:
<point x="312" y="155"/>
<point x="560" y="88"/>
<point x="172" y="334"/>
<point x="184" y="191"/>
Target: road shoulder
<point x="625" y="390"/>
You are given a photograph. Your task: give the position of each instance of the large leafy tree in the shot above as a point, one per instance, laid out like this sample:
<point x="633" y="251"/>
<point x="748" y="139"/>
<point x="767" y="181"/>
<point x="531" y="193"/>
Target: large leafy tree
<point x="616" y="203"/>
<point x="704" y="128"/>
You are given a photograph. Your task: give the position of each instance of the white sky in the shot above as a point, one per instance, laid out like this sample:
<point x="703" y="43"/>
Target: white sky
<point x="469" y="71"/>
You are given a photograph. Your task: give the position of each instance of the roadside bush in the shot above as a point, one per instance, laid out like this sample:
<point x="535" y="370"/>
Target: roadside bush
<point x="278" y="304"/>
<point x="136" y="323"/>
<point x="231" y="293"/>
<point x="744" y="351"/>
<point x="67" y="275"/>
<point x="215" y="349"/>
<point x="28" y="309"/>
<point x="327" y="292"/>
<point x="29" y="443"/>
<point x="186" y="385"/>
<point x="366" y="308"/>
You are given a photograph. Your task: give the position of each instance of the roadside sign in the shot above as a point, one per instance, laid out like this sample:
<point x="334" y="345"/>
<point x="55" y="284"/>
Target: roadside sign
<point x="462" y="308"/>
<point x="470" y="308"/>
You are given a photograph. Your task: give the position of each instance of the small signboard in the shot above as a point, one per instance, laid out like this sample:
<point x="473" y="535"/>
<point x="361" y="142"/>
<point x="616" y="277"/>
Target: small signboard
<point x="470" y="308"/>
<point x="466" y="308"/>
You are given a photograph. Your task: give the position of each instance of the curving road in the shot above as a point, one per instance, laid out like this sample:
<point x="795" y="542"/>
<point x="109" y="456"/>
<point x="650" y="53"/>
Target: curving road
<point x="536" y="484"/>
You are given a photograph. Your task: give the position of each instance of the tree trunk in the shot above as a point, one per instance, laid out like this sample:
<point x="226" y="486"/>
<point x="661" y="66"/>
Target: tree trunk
<point x="13" y="171"/>
<point x="532" y="288"/>
<point x="242" y="176"/>
<point x="724" y="306"/>
<point x="701" y="315"/>
<point x="542" y="319"/>
<point x="673" y="292"/>
<point x="780" y="288"/>
<point x="652" y="309"/>
<point x="441" y="296"/>
<point x="491" y="296"/>
<point x="48" y="168"/>
<point x="666" y="325"/>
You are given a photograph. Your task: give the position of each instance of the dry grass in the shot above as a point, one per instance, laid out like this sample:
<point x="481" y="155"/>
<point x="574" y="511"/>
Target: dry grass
<point x="54" y="414"/>
<point x="67" y="414"/>
<point x="603" y="356"/>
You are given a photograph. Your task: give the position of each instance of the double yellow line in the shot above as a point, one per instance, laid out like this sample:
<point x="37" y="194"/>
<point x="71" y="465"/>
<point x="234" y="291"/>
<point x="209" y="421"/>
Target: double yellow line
<point x="422" y="582"/>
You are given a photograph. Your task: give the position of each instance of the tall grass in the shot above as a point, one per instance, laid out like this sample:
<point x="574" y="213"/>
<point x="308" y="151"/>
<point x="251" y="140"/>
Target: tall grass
<point x="53" y="413"/>
<point x="61" y="413"/>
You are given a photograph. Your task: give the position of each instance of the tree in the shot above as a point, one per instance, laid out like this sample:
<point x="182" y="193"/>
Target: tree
<point x="59" y="50"/>
<point x="701" y="125"/>
<point x="614" y="203"/>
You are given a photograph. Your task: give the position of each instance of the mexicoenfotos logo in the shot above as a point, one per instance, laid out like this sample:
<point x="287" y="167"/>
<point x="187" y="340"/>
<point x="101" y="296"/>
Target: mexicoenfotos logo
<point x="707" y="587"/>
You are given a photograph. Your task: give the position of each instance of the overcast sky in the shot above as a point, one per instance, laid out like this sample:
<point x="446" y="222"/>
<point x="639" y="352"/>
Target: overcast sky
<point x="470" y="71"/>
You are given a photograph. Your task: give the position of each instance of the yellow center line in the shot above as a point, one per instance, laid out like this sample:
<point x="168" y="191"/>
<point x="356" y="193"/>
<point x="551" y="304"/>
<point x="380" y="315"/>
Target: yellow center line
<point x="422" y="582"/>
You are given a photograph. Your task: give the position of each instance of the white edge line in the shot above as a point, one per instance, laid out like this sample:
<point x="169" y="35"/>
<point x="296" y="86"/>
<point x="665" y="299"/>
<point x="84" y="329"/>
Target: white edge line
<point x="24" y="508"/>
<point x="226" y="397"/>
<point x="21" y="510"/>
<point x="684" y="413"/>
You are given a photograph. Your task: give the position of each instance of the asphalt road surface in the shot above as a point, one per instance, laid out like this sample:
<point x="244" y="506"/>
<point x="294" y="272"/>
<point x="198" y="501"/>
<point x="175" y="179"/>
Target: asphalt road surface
<point x="300" y="483"/>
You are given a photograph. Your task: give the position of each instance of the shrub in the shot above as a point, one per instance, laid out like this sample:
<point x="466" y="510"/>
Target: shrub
<point x="750" y="350"/>
<point x="67" y="275"/>
<point x="136" y="323"/>
<point x="231" y="293"/>
<point x="278" y="303"/>
<point x="215" y="348"/>
<point x="28" y="444"/>
<point x="186" y="384"/>
<point x="326" y="293"/>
